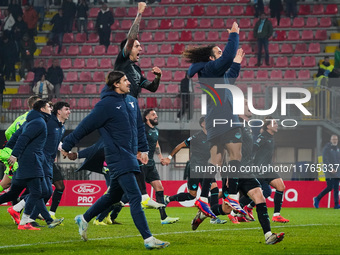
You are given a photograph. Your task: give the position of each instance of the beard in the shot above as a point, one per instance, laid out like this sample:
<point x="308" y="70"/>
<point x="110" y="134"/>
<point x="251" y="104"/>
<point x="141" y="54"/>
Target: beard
<point x="153" y="122"/>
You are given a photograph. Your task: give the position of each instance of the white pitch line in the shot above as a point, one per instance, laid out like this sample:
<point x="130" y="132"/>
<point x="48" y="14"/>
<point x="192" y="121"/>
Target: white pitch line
<point x="168" y="233"/>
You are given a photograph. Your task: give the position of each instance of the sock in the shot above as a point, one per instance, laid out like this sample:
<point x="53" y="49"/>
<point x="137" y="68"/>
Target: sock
<point x="1" y="188"/>
<point x="145" y="197"/>
<point x="244" y="201"/>
<point x="181" y="197"/>
<point x="267" y="235"/>
<point x="19" y="206"/>
<point x="225" y="192"/>
<point x="141" y="182"/>
<point x="276" y="214"/>
<point x="214" y="196"/>
<point x="206" y="183"/>
<point x="204" y="199"/>
<point x="262" y="214"/>
<point x="57" y="194"/>
<point x="52" y="213"/>
<point x="233" y="182"/>
<point x="278" y="201"/>
<point x="251" y="205"/>
<point x="24" y="219"/>
<point x="235" y="197"/>
<point x="217" y="210"/>
<point x="160" y="199"/>
<point x="148" y="239"/>
<point x="233" y="214"/>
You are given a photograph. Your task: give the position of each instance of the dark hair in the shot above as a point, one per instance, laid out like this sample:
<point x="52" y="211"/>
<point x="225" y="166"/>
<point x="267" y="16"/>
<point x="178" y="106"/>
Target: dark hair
<point x="40" y="104"/>
<point x="147" y="111"/>
<point x="199" y="54"/>
<point x="267" y="121"/>
<point x="113" y="77"/>
<point x="58" y="106"/>
<point x="201" y="120"/>
<point x="31" y="100"/>
<point x="122" y="44"/>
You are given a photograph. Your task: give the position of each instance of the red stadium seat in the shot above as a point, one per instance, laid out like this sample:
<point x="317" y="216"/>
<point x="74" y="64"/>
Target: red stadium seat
<point x="248" y="75"/>
<point x="179" y="75"/>
<point x="186" y="36"/>
<point x="146" y="37"/>
<point x="281" y="62"/>
<point x="312" y="22"/>
<point x="86" y="50"/>
<point x="145" y="63"/>
<point x="285" y="22"/>
<point x="287" y="48"/>
<point x="93" y="38"/>
<point x="178" y="24"/>
<point x="151" y="102"/>
<point x="90" y="25"/>
<point x="141" y="103"/>
<point x="173" y="36"/>
<point x="212" y="36"/>
<point x="83" y="104"/>
<point x="199" y="36"/>
<point x="250" y="36"/>
<point x="238" y="10"/>
<point x="166" y="76"/>
<point x="152" y="24"/>
<point x="16" y="103"/>
<point x="230" y="22"/>
<point x="29" y="77"/>
<point x="161" y="88"/>
<point x="314" y="48"/>
<point x="318" y="9"/>
<point x="303" y="75"/>
<point x="165" y="24"/>
<point x="257" y="88"/>
<point x="244" y="63"/>
<point x="73" y="50"/>
<point x="296" y="61"/>
<point x="85" y="77"/>
<point x="331" y="9"/>
<point x="298" y="22"/>
<point x="66" y="63"/>
<point x="307" y="35"/>
<point x="225" y="11"/>
<point x="92" y="63"/>
<point x="273" y="21"/>
<point x="172" y="88"/>
<point x="198" y="10"/>
<point x="166" y="103"/>
<point x="160" y="36"/>
<point x="325" y="22"/>
<point x="46" y="50"/>
<point x="280" y="36"/>
<point x="77" y="89"/>
<point x="159" y="62"/>
<point x="99" y="50"/>
<point x="166" y="49"/>
<point x="148" y="12"/>
<point x="65" y="89"/>
<point x="184" y="63"/>
<point x="273" y="48"/>
<point x="218" y="23"/>
<point x="178" y="48"/>
<point x="245" y="23"/>
<point x="309" y="61"/>
<point x="24" y="90"/>
<point x="191" y="23"/>
<point x="179" y="1"/>
<point x="93" y="13"/>
<point x="249" y="9"/>
<point x="101" y="87"/>
<point x="172" y="62"/>
<point x="112" y="50"/>
<point x="172" y="11"/>
<point x="211" y="10"/>
<point x="132" y="12"/>
<point x="177" y="104"/>
<point x="262" y="75"/>
<point x="151" y="50"/>
<point x="116" y="25"/>
<point x="91" y="89"/>
<point x="99" y="77"/>
<point x="290" y="75"/>
<point x="159" y="11"/>
<point x="80" y="38"/>
<point x="197" y="103"/>
<point x="300" y="48"/>
<point x="276" y="75"/>
<point x="79" y="63"/>
<point x="73" y="103"/>
<point x="126" y="24"/>
<point x="68" y="38"/>
<point x="321" y="35"/>
<point x="293" y="35"/>
<point x="304" y="9"/>
<point x="71" y="77"/>
<point x="94" y="101"/>
<point x="185" y="10"/>
<point x="252" y="62"/>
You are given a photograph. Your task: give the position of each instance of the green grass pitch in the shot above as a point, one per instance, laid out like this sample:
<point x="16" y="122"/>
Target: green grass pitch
<point x="310" y="231"/>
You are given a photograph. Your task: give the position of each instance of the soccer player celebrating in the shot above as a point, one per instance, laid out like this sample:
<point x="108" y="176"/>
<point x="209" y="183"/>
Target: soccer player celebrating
<point x="216" y="67"/>
<point x="117" y="116"/>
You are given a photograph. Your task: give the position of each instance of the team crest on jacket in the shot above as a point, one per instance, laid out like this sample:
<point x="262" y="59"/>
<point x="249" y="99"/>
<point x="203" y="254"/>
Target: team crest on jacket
<point x="131" y="103"/>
